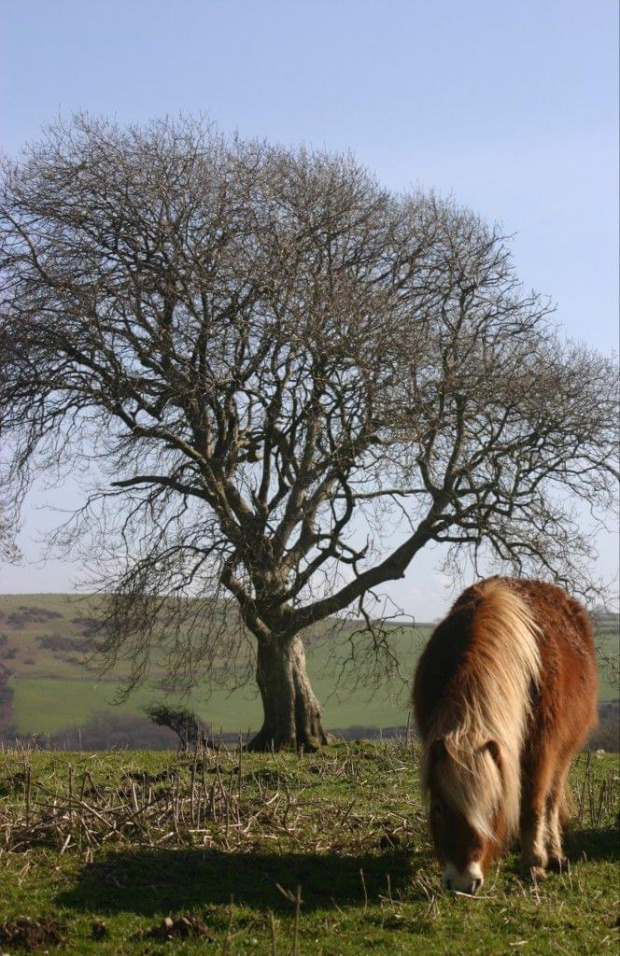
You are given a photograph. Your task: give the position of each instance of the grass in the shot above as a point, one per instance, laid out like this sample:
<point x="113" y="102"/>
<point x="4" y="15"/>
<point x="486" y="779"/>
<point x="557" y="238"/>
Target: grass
<point x="53" y="704"/>
<point x="51" y="691"/>
<point x="227" y="852"/>
<point x="54" y="690"/>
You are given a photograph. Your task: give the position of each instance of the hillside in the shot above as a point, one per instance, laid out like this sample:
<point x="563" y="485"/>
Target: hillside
<point x="46" y="645"/>
<point x="49" y="683"/>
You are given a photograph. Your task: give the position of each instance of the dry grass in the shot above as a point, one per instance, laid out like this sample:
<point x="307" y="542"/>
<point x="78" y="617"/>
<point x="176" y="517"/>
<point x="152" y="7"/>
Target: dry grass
<point x="217" y="799"/>
<point x="315" y="854"/>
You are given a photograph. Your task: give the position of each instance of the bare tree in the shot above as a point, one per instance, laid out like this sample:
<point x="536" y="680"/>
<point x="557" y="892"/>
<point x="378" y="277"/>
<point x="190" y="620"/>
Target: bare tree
<point x="8" y="528"/>
<point x="284" y="382"/>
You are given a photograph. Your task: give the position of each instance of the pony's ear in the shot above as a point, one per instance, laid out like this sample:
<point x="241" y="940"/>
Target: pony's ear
<point x="493" y="747"/>
<point x="438" y="750"/>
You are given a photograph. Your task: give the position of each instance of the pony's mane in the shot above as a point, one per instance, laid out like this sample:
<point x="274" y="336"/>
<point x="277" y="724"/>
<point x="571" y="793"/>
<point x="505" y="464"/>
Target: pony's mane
<point x="488" y="699"/>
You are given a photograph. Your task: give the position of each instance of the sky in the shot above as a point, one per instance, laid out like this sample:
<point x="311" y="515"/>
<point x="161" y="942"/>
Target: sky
<point x="512" y="108"/>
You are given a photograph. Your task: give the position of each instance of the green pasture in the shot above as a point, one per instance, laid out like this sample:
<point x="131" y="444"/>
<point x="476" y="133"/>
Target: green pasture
<point x="53" y="691"/>
<point x="47" y="704"/>
<point x="325" y="854"/>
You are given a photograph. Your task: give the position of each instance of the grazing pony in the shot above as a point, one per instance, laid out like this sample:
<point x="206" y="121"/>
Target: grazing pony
<point x="504" y="694"/>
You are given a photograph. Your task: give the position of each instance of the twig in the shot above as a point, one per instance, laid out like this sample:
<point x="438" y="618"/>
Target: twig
<point x="298" y="902"/>
<point x="364" y="888"/>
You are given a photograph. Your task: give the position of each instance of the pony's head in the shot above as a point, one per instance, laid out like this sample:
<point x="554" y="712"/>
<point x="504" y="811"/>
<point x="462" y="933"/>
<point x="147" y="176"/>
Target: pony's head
<point x="466" y="812"/>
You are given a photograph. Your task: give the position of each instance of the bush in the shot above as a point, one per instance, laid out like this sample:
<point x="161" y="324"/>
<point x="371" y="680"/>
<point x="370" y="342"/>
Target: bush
<point x="188" y="727"/>
<point x="55" y="642"/>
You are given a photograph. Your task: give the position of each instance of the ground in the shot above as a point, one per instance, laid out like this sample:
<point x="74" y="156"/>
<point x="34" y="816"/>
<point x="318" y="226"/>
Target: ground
<point x="228" y="852"/>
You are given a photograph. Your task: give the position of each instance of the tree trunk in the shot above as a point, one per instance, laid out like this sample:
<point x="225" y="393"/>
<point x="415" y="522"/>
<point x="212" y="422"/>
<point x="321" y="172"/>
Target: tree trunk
<point x="292" y="715"/>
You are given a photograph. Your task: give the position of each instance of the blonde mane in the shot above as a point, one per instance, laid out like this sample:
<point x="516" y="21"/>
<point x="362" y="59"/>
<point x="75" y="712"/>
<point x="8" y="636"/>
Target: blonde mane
<point x="490" y="701"/>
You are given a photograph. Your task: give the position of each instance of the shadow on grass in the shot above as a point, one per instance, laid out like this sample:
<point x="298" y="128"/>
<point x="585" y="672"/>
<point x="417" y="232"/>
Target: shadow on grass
<point x="147" y="882"/>
<point x="594" y="844"/>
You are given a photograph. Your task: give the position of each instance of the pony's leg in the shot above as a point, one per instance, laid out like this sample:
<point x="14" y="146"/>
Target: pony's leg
<point x="535" y="792"/>
<point x="557" y="860"/>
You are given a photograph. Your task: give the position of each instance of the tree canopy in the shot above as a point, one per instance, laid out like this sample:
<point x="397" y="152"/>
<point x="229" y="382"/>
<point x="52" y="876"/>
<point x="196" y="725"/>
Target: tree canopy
<point x="286" y="381"/>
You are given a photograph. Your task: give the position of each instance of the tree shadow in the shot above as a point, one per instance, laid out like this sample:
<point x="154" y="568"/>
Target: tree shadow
<point x="593" y="844"/>
<point x="146" y="882"/>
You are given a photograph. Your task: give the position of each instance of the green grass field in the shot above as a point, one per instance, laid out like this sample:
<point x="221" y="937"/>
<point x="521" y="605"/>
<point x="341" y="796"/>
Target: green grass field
<point x="322" y="854"/>
<point x="53" y="689"/>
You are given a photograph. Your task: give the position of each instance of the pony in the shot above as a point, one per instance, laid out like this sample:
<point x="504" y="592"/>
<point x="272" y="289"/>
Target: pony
<point x="504" y="694"/>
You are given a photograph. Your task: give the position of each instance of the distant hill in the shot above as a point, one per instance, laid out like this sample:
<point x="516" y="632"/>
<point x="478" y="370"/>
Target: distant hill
<point x="48" y="686"/>
<point x="48" y="682"/>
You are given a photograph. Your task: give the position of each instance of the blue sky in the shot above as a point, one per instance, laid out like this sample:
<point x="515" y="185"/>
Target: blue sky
<point x="510" y="107"/>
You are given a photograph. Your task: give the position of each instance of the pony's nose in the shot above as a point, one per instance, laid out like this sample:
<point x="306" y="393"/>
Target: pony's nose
<point x="466" y="881"/>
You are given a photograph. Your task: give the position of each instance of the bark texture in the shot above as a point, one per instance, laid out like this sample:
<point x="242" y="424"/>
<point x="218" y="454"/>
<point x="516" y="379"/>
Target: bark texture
<point x="292" y="715"/>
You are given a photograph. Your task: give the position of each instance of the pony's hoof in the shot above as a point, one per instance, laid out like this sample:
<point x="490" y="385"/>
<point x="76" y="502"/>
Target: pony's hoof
<point x="537" y="874"/>
<point x="559" y="864"/>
